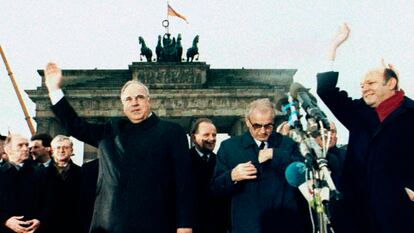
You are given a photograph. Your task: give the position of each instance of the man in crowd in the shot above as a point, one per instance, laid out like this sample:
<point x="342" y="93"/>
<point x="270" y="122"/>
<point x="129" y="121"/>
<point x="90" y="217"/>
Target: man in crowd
<point x="3" y="155"/>
<point x="335" y="155"/>
<point x="22" y="189"/>
<point x="378" y="178"/>
<point x="250" y="170"/>
<point x="145" y="177"/>
<point x="212" y="213"/>
<point x="40" y="149"/>
<point x="64" y="179"/>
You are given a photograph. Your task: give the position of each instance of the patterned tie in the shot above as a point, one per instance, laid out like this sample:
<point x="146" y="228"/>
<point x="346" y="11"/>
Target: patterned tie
<point x="262" y="145"/>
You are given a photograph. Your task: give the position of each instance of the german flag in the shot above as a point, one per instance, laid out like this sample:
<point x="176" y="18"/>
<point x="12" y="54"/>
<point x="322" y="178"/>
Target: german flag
<point x="172" y="12"/>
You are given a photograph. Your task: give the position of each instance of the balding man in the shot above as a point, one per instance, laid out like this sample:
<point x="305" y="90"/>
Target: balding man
<point x="212" y="213"/>
<point x="378" y="177"/>
<point x="21" y="189"/>
<point x="145" y="177"/>
<point x="250" y="170"/>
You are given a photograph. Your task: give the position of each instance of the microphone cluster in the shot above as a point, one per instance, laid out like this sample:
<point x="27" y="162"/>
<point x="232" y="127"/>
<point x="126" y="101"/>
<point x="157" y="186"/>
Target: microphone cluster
<point x="312" y="177"/>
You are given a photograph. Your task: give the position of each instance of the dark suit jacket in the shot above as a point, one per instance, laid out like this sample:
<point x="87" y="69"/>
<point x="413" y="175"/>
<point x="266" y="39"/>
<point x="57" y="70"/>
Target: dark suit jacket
<point x="22" y="193"/>
<point x="145" y="178"/>
<point x="379" y="160"/>
<point x="266" y="204"/>
<point x="212" y="213"/>
<point x="64" y="199"/>
<point x="88" y="192"/>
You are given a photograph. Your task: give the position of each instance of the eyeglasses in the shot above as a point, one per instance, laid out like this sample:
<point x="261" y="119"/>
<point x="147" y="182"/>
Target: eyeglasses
<point x="129" y="99"/>
<point x="256" y="126"/>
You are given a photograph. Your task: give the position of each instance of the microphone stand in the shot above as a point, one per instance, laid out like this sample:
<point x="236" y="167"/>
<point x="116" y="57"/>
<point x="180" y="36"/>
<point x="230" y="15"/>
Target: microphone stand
<point x="318" y="178"/>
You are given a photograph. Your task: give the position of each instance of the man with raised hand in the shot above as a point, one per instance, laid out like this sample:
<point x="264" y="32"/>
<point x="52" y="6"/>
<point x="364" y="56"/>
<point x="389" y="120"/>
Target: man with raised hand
<point x="145" y="177"/>
<point x="377" y="177"/>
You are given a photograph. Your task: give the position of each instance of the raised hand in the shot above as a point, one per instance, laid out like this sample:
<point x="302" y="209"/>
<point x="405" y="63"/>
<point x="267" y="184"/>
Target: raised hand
<point x="391" y="67"/>
<point x="53" y="77"/>
<point x="340" y="37"/>
<point x="243" y="171"/>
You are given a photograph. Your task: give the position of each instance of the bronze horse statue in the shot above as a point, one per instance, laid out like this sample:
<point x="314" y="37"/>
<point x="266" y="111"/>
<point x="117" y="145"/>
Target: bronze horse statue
<point x="145" y="51"/>
<point x="193" y="51"/>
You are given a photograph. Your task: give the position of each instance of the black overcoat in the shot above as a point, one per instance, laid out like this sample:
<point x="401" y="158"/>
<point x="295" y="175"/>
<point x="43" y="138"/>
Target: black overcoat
<point x="145" y="177"/>
<point x="266" y="204"/>
<point x="23" y="193"/>
<point x="379" y="160"/>
<point x="212" y="213"/>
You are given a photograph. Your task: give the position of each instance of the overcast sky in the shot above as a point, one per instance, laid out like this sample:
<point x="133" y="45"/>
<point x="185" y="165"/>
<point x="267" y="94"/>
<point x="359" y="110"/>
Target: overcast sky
<point x="274" y="34"/>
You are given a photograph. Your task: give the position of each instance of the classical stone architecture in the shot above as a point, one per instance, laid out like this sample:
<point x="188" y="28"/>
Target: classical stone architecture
<point x="180" y="92"/>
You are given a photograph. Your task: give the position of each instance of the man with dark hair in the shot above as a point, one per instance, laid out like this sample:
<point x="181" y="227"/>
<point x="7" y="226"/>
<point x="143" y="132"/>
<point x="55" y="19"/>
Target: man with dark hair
<point x="22" y="189"/>
<point x="212" y="213"/>
<point x="40" y="149"/>
<point x="3" y="155"/>
<point x="145" y="177"/>
<point x="378" y="178"/>
<point x="250" y="170"/>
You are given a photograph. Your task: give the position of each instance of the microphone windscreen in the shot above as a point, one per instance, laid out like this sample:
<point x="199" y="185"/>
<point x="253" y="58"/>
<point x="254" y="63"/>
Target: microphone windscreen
<point x="295" y="88"/>
<point x="282" y="101"/>
<point x="295" y="174"/>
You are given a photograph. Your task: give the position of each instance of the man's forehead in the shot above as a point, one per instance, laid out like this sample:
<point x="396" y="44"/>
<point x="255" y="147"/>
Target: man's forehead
<point x="134" y="89"/>
<point x="16" y="140"/>
<point x="63" y="143"/>
<point x="35" y="142"/>
<point x="206" y="126"/>
<point x="376" y="74"/>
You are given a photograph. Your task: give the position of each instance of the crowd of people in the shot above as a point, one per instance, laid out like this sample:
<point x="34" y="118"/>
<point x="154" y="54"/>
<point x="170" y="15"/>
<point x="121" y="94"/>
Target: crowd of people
<point x="147" y="179"/>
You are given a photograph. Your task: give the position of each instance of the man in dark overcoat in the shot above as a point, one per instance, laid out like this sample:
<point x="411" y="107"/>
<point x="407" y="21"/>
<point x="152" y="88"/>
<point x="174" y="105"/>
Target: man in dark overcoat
<point x="212" y="213"/>
<point x="250" y="170"/>
<point x="64" y="181"/>
<point x="144" y="182"/>
<point x="22" y="190"/>
<point x="378" y="178"/>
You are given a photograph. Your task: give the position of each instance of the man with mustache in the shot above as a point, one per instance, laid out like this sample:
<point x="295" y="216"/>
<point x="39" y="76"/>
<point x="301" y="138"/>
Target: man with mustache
<point x="212" y="213"/>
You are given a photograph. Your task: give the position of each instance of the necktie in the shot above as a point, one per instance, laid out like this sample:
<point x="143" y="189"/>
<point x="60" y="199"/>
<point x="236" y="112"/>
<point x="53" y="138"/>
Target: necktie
<point x="205" y="157"/>
<point x="262" y="145"/>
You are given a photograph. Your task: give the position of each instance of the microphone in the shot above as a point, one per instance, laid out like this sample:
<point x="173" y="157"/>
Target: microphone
<point x="296" y="176"/>
<point x="308" y="102"/>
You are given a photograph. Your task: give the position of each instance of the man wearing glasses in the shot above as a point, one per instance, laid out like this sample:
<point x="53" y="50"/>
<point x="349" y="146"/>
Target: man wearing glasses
<point x="250" y="170"/>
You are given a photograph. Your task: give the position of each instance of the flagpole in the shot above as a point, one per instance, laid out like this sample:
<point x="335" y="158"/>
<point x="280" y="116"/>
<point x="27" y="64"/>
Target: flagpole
<point x="16" y="89"/>
<point x="168" y="18"/>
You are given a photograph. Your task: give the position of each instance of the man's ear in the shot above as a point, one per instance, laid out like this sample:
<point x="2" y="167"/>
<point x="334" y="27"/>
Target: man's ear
<point x="7" y="150"/>
<point x="392" y="83"/>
